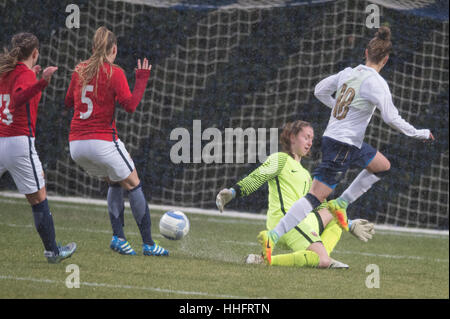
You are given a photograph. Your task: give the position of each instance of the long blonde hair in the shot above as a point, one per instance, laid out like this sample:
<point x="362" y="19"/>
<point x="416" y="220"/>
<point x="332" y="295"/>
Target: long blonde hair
<point x="22" y="45"/>
<point x="103" y="42"/>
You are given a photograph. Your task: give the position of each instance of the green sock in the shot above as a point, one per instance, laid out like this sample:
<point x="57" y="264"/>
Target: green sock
<point x="301" y="258"/>
<point x="331" y="236"/>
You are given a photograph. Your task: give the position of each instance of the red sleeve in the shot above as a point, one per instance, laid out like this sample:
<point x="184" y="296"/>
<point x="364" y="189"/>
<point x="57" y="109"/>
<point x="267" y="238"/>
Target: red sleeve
<point x="129" y="101"/>
<point x="69" y="100"/>
<point x="24" y="80"/>
<point x="26" y="87"/>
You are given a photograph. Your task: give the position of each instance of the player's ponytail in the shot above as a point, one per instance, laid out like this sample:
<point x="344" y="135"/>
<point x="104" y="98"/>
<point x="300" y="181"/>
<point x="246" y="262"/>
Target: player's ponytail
<point x="22" y="45"/>
<point x="380" y="46"/>
<point x="103" y="43"/>
<point x="289" y="129"/>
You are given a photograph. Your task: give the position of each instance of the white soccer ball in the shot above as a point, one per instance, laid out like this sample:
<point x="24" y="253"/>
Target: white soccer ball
<point x="174" y="225"/>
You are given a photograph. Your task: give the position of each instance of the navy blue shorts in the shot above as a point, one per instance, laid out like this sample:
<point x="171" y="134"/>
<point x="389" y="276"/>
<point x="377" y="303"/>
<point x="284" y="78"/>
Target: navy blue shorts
<point x="338" y="157"/>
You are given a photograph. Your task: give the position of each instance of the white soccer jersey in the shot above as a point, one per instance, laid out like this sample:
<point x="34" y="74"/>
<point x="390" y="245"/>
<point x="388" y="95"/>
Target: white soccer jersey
<point x="359" y="91"/>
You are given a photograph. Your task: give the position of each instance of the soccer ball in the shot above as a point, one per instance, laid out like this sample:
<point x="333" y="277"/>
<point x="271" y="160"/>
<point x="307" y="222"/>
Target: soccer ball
<point x="174" y="225"/>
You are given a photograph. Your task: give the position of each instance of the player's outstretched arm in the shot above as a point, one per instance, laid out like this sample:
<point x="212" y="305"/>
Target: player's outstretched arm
<point x="377" y="91"/>
<point x="266" y="171"/>
<point x="127" y="100"/>
<point x="25" y="91"/>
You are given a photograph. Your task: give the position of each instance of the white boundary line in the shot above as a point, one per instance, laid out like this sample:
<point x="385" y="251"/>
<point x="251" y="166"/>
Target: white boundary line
<point x="214" y="212"/>
<point x="96" y="284"/>
<point x="347" y="252"/>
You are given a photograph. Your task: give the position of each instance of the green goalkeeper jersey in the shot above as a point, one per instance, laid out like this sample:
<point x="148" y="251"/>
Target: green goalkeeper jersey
<point x="288" y="181"/>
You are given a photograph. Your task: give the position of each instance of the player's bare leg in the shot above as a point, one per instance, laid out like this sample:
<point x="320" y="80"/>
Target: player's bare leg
<point x="38" y="197"/>
<point x="379" y="164"/>
<point x="131" y="182"/>
<point x="364" y="181"/>
<point x="320" y="190"/>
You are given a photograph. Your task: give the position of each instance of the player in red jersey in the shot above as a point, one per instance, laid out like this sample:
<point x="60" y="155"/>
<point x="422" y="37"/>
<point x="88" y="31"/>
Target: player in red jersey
<point x="20" y="93"/>
<point x="96" y="85"/>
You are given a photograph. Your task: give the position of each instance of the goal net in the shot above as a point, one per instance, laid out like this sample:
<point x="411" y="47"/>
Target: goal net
<point x="249" y="65"/>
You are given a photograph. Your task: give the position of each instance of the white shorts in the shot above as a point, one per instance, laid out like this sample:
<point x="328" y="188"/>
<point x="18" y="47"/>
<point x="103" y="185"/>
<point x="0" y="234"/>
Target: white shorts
<point x="18" y="156"/>
<point x="102" y="159"/>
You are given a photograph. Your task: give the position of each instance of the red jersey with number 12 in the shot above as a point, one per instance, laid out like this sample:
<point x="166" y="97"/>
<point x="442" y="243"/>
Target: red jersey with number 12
<point x="94" y="115"/>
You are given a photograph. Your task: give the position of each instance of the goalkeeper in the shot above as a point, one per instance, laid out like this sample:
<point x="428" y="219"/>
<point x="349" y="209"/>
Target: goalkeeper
<point x="313" y="240"/>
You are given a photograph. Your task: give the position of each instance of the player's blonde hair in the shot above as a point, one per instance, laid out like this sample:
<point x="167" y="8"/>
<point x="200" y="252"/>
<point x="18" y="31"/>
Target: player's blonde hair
<point x="103" y="43"/>
<point x="380" y="46"/>
<point x="22" y="46"/>
<point x="289" y="129"/>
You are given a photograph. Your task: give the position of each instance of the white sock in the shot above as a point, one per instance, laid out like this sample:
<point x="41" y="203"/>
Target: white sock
<point x="361" y="184"/>
<point x="298" y="211"/>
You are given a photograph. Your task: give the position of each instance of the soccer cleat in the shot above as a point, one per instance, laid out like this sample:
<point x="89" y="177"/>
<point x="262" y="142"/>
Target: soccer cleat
<point x="64" y="252"/>
<point x="121" y="246"/>
<point x="155" y="250"/>
<point x="337" y="265"/>
<point x="266" y="239"/>
<point x="338" y="209"/>
<point x="254" y="259"/>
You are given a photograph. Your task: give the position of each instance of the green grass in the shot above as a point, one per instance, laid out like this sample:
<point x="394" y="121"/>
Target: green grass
<point x="208" y="263"/>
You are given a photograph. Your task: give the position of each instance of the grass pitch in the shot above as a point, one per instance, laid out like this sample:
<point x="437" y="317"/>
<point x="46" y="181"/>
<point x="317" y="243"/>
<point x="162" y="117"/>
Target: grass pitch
<point x="208" y="263"/>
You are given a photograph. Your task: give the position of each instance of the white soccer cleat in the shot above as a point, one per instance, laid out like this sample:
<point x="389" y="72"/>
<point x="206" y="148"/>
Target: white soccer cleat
<point x="337" y="264"/>
<point x="254" y="259"/>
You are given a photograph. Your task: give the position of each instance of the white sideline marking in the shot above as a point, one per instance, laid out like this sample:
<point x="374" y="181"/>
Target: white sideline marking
<point x="96" y="284"/>
<point x="87" y="230"/>
<point x="214" y="212"/>
<point x="128" y="212"/>
<point x="388" y="256"/>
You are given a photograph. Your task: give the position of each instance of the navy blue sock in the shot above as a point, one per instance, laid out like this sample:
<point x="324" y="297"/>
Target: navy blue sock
<point x="141" y="213"/>
<point x="116" y="208"/>
<point x="43" y="222"/>
<point x="145" y="227"/>
<point x="312" y="200"/>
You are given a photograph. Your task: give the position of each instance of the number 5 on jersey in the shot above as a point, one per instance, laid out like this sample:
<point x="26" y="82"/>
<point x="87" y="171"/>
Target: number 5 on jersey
<point x="344" y="99"/>
<point x="4" y="101"/>
<point x="88" y="101"/>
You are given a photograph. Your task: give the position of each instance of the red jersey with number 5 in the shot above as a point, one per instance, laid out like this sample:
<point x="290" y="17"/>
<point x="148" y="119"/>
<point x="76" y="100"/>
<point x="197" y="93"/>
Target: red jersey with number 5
<point x="19" y="120"/>
<point x="94" y="104"/>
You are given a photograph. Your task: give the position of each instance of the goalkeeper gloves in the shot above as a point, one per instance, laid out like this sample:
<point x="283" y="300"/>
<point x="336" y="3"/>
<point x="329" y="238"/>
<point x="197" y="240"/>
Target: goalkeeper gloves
<point x="224" y="196"/>
<point x="362" y="229"/>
